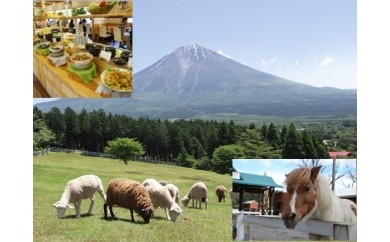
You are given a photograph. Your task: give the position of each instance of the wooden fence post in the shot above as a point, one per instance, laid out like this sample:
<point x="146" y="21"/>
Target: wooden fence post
<point x="240" y="227"/>
<point x="344" y="232"/>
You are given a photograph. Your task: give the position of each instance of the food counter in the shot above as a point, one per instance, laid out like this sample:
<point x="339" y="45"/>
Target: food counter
<point x="53" y="65"/>
<point x="60" y="82"/>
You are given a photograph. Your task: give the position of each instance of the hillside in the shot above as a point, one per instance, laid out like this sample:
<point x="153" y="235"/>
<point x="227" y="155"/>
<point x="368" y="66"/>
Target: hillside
<point x="53" y="171"/>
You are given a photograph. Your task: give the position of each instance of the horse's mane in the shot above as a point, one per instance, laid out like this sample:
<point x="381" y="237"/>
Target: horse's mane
<point x="330" y="206"/>
<point x="298" y="176"/>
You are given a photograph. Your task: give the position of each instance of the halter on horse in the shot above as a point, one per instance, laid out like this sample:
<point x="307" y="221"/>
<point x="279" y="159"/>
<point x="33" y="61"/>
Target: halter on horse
<point x="311" y="197"/>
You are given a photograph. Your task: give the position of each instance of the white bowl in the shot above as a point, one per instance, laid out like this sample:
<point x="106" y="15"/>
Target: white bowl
<point x="105" y="74"/>
<point x="56" y="49"/>
<point x="56" y="54"/>
<point x="83" y="63"/>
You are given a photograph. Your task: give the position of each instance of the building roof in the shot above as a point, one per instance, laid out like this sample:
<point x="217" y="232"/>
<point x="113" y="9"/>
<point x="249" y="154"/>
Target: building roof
<point x="334" y="154"/>
<point x="251" y="201"/>
<point x="346" y="192"/>
<point x="255" y="180"/>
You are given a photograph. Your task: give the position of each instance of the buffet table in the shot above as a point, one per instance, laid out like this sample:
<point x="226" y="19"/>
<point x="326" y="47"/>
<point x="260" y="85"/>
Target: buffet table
<point x="58" y="81"/>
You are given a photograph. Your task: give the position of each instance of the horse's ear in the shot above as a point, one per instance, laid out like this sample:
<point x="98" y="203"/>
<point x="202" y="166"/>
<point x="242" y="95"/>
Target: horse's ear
<point x="314" y="172"/>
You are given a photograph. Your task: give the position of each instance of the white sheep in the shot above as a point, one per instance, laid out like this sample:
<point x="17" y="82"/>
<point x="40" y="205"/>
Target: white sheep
<point x="77" y="189"/>
<point x="150" y="182"/>
<point x="162" y="198"/>
<point x="197" y="192"/>
<point x="174" y="191"/>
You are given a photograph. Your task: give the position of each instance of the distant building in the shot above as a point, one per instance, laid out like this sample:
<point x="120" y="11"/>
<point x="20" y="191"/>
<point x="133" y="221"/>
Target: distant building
<point x="254" y="184"/>
<point x="250" y="206"/>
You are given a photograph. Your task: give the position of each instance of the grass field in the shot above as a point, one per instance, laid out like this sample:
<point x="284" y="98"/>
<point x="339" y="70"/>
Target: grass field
<point x="53" y="171"/>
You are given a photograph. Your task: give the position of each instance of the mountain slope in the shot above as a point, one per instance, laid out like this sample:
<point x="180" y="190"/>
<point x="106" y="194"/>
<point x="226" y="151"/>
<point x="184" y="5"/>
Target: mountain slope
<point x="193" y="81"/>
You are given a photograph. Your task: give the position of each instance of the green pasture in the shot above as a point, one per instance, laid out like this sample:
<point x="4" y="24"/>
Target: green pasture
<point x="53" y="171"/>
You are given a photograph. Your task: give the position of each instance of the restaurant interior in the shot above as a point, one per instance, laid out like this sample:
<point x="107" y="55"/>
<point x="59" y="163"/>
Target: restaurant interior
<point x="82" y="49"/>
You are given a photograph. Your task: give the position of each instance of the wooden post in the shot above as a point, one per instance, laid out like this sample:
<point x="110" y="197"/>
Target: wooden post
<point x="240" y="200"/>
<point x="333" y="173"/>
<point x="240" y="227"/>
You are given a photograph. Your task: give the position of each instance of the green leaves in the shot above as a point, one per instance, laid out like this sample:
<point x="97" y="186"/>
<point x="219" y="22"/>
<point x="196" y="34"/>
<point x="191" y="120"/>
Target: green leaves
<point x="125" y="149"/>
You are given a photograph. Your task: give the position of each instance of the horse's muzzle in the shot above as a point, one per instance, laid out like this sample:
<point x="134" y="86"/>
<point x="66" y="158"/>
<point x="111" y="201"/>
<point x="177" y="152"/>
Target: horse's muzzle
<point x="290" y="221"/>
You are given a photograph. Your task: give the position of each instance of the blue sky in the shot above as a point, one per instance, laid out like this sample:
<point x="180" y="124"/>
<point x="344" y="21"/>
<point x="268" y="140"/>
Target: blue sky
<point x="277" y="168"/>
<point x="307" y="41"/>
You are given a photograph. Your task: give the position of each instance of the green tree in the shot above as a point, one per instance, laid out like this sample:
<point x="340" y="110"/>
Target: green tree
<point x="196" y="149"/>
<point x="255" y="146"/>
<point x="223" y="156"/>
<point x="264" y="131"/>
<point x="55" y="122"/>
<point x="42" y="135"/>
<point x="223" y="134"/>
<point x="184" y="159"/>
<point x="124" y="149"/>
<point x="273" y="135"/>
<point x="308" y="146"/>
<point x="72" y="127"/>
<point x="293" y="147"/>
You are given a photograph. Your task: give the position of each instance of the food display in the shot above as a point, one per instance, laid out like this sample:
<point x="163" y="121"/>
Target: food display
<point x="67" y="49"/>
<point x="119" y="61"/>
<point x="81" y="60"/>
<point x="101" y="7"/>
<point x="117" y="79"/>
<point x="56" y="51"/>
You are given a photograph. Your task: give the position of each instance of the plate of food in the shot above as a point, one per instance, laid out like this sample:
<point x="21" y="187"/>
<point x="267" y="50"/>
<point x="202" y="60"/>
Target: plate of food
<point x="81" y="60"/>
<point x="117" y="79"/>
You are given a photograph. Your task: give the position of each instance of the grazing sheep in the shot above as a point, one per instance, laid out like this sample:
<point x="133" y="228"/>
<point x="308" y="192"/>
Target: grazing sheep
<point x="162" y="198"/>
<point x="77" y="189"/>
<point x="174" y="191"/>
<point x="129" y="194"/>
<point x="221" y="192"/>
<point x="150" y="182"/>
<point x="164" y="183"/>
<point x="197" y="192"/>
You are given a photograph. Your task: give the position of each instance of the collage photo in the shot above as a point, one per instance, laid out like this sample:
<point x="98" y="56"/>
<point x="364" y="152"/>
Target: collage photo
<point x="183" y="120"/>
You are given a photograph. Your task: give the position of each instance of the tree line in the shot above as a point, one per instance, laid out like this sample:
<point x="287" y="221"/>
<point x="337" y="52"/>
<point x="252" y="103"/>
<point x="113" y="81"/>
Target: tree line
<point x="201" y="144"/>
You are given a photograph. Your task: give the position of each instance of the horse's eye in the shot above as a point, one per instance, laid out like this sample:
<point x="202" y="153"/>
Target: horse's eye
<point x="307" y="189"/>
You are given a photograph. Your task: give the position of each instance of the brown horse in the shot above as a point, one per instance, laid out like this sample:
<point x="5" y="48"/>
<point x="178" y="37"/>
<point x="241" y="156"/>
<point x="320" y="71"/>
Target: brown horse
<point x="311" y="197"/>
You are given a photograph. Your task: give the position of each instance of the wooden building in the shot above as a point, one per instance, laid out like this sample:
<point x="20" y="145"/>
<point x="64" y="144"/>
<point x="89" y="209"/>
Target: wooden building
<point x="251" y="183"/>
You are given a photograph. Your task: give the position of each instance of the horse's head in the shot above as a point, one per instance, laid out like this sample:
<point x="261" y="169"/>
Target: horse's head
<point x="302" y="196"/>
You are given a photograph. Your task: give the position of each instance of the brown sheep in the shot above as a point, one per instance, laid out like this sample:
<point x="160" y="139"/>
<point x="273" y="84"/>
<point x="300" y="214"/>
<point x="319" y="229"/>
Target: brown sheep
<point x="129" y="194"/>
<point x="221" y="192"/>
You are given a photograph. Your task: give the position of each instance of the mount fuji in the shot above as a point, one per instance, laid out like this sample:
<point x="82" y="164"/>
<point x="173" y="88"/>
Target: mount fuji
<point x="193" y="81"/>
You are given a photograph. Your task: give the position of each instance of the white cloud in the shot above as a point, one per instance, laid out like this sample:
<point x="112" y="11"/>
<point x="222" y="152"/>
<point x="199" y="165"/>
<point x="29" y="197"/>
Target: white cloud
<point x="224" y="54"/>
<point x="269" y="62"/>
<point x="327" y="61"/>
<point x="296" y="63"/>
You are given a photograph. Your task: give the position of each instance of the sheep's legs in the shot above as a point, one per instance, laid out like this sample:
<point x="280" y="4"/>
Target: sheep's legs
<point x="77" y="206"/>
<point x="167" y="214"/>
<point x="132" y="217"/>
<point x="200" y="203"/>
<point x="105" y="211"/>
<point x="91" y="205"/>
